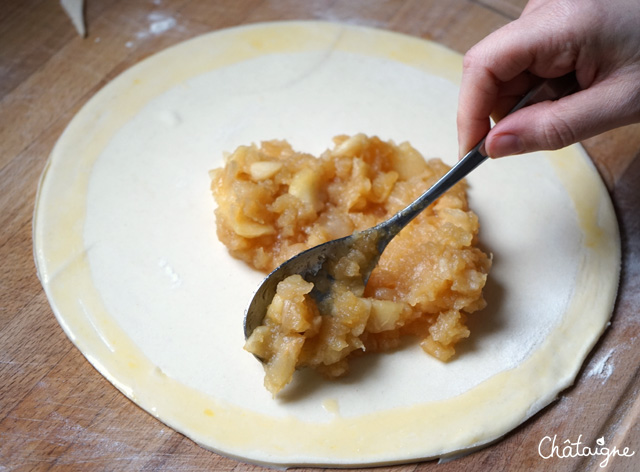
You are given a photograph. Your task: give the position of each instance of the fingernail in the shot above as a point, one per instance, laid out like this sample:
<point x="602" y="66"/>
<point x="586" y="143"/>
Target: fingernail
<point x="506" y="145"/>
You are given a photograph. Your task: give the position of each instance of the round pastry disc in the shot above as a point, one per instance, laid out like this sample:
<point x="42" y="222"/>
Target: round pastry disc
<point x="126" y="249"/>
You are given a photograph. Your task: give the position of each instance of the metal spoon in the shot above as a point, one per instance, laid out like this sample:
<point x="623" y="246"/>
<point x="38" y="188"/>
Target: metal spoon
<point x="312" y="263"/>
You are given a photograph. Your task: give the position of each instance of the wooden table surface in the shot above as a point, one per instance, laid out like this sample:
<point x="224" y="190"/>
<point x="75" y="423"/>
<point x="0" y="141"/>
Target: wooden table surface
<point x="57" y="412"/>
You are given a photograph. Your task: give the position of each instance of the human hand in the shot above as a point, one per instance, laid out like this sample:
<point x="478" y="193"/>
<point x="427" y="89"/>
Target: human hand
<point x="598" y="40"/>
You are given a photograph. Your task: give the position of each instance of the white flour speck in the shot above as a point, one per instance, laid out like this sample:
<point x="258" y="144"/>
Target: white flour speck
<point x="170" y="273"/>
<point x="160" y="23"/>
<point x="603" y="368"/>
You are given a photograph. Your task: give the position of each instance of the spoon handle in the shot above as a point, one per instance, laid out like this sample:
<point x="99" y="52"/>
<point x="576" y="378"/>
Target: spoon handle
<point x="551" y="89"/>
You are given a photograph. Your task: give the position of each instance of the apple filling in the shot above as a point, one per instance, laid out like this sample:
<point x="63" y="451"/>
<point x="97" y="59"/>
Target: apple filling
<point x="274" y="202"/>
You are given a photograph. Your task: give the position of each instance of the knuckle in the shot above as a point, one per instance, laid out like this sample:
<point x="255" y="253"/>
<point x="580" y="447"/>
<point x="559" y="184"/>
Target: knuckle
<point x="473" y="58"/>
<point x="557" y="133"/>
<point x="469" y="60"/>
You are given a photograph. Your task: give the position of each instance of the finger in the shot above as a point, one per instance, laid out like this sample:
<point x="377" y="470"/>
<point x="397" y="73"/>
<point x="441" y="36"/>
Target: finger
<point x="554" y="125"/>
<point x="533" y="5"/>
<point x="522" y="45"/>
<point x="511" y="92"/>
<point x="477" y="96"/>
<point x="496" y="60"/>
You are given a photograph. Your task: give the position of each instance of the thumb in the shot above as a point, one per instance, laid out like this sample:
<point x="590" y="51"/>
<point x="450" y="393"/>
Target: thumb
<point x="552" y="125"/>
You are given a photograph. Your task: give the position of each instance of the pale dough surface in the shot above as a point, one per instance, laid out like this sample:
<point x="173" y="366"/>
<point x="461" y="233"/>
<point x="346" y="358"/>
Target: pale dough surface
<point x="126" y="249"/>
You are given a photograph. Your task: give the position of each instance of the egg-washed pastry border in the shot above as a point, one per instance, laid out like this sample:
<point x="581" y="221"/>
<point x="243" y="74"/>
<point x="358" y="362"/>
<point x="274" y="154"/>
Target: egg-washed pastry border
<point x="472" y="419"/>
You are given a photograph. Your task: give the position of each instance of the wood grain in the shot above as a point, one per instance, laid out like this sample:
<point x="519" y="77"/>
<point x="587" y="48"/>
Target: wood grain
<point x="58" y="413"/>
